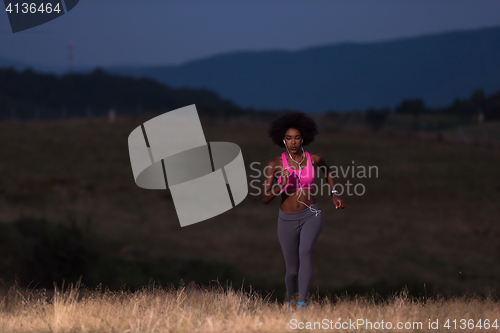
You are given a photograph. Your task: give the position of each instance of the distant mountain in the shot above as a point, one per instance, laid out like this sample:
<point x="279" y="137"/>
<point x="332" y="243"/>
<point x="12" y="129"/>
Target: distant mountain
<point x="437" y="68"/>
<point x="20" y="66"/>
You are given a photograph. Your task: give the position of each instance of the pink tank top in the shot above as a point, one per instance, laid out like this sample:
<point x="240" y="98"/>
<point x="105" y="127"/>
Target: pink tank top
<point x="306" y="175"/>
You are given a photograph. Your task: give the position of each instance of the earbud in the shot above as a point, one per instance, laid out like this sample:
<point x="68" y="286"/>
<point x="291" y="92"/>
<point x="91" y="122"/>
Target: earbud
<point x="284" y="142"/>
<point x="302" y="141"/>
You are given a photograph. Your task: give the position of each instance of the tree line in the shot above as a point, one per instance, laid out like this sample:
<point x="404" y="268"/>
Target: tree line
<point x="28" y="95"/>
<point x="478" y="108"/>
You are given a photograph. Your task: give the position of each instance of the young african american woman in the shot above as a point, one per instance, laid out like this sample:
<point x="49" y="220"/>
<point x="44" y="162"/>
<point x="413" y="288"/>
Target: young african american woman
<point x="299" y="220"/>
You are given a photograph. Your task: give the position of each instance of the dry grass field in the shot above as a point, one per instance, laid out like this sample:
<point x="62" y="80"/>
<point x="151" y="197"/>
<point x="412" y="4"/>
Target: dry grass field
<point x="217" y="309"/>
<point x="429" y="221"/>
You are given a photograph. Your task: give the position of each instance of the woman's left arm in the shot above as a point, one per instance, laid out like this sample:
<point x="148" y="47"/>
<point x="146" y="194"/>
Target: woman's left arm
<point x="320" y="162"/>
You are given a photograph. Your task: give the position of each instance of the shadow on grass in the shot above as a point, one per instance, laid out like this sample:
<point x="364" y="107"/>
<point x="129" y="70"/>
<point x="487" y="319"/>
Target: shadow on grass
<point x="40" y="253"/>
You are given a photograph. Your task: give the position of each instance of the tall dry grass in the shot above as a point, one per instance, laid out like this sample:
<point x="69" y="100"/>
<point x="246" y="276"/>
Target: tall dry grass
<point x="193" y="308"/>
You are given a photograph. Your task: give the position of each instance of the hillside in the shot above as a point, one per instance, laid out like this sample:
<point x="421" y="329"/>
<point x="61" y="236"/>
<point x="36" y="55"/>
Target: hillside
<point x="437" y="68"/>
<point x="30" y="95"/>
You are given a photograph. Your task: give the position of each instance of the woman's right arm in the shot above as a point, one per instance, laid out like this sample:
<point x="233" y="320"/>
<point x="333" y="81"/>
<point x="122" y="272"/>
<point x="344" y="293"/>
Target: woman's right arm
<point x="272" y="190"/>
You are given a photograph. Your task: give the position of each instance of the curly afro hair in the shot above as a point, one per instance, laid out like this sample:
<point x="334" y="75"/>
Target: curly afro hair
<point x="297" y="120"/>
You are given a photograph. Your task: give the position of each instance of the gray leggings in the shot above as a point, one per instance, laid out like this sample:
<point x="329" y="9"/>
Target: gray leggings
<point x="297" y="233"/>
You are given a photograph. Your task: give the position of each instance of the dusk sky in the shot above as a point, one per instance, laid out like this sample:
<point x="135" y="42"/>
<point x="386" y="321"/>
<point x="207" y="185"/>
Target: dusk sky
<point x="150" y="32"/>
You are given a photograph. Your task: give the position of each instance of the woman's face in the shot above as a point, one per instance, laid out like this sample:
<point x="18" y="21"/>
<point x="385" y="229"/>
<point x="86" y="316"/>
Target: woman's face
<point x="293" y="140"/>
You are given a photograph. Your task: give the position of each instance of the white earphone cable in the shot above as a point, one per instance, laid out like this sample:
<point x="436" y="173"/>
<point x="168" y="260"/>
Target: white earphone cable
<point x="315" y="211"/>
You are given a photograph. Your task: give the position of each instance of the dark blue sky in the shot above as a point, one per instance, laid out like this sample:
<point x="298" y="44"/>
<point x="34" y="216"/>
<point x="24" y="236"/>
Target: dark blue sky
<point x="151" y="32"/>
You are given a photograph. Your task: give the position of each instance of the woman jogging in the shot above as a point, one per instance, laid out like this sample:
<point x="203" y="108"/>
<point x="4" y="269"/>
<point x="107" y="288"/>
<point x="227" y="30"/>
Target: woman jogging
<point x="300" y="221"/>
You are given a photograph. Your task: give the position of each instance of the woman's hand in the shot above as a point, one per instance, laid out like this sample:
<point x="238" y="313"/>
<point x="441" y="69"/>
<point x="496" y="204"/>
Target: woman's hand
<point x="284" y="178"/>
<point x="339" y="203"/>
<point x="271" y="173"/>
